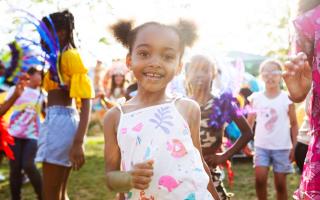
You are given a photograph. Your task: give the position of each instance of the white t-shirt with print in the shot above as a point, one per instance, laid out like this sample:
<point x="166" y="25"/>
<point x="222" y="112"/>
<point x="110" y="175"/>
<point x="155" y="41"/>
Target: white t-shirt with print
<point x="273" y="123"/>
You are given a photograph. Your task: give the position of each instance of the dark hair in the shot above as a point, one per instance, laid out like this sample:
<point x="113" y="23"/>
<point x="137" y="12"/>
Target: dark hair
<point x="124" y="32"/>
<point x="305" y="5"/>
<point x="32" y="70"/>
<point x="62" y="21"/>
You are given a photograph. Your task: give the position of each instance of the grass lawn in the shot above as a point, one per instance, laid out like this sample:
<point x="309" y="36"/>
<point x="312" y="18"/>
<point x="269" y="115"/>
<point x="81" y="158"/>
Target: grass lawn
<point x="88" y="183"/>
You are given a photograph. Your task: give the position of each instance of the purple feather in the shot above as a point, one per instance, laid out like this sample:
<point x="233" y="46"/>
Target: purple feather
<point x="224" y="109"/>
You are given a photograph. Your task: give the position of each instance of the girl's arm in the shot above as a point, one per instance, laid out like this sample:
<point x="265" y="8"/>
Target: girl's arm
<point x="191" y="112"/>
<point x="19" y="88"/>
<point x="140" y="175"/>
<point x="77" y="151"/>
<point x="293" y="128"/>
<point x="115" y="179"/>
<point x="246" y="136"/>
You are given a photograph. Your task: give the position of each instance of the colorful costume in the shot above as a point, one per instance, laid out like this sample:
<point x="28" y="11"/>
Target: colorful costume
<point x="308" y="40"/>
<point x="5" y="140"/>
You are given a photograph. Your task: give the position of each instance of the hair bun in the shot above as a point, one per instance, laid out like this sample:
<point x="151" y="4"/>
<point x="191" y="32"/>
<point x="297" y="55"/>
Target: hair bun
<point x="121" y="31"/>
<point x="187" y="30"/>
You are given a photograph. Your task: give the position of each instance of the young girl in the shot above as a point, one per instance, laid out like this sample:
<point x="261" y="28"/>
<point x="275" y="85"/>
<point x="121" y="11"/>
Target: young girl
<point x="5" y="138"/>
<point x="61" y="136"/>
<point x="276" y="131"/>
<point x="24" y="127"/>
<point x="199" y="76"/>
<point x="116" y="90"/>
<point x="154" y="139"/>
<point x="303" y="74"/>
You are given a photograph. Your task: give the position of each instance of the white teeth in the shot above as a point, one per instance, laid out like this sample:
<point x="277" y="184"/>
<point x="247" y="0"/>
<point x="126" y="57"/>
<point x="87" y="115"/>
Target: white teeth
<point x="153" y="75"/>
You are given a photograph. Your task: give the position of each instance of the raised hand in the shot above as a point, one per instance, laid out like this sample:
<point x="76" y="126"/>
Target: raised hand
<point x="298" y="77"/>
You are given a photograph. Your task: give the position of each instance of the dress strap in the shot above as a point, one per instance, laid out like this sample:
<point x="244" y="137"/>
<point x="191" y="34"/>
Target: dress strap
<point x="119" y="108"/>
<point x="175" y="100"/>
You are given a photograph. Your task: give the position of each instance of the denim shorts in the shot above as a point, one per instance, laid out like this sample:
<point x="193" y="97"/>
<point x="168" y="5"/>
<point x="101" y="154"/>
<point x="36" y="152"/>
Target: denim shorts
<point x="278" y="159"/>
<point x="56" y="135"/>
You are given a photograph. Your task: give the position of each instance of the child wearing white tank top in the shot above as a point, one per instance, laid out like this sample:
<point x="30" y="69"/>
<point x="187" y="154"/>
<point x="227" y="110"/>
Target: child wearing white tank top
<point x="152" y="143"/>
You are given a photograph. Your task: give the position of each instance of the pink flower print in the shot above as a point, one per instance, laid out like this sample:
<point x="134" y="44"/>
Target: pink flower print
<point x="124" y="130"/>
<point x="168" y="182"/>
<point x="176" y="148"/>
<point x="311" y="171"/>
<point x="138" y="127"/>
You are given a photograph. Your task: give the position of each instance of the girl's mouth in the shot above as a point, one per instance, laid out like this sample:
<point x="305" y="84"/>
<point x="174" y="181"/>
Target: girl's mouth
<point x="152" y="75"/>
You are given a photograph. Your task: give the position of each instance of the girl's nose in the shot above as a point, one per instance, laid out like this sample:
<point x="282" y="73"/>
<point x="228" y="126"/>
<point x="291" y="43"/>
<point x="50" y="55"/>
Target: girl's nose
<point x="155" y="61"/>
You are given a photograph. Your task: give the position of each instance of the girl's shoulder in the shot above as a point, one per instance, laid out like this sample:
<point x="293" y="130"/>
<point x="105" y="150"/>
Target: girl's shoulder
<point x="188" y="109"/>
<point x="187" y="103"/>
<point x="254" y="96"/>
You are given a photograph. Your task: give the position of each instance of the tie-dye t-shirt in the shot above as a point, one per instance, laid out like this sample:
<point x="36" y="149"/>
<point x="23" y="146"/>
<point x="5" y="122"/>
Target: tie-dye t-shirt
<point x="25" y="118"/>
<point x="160" y="133"/>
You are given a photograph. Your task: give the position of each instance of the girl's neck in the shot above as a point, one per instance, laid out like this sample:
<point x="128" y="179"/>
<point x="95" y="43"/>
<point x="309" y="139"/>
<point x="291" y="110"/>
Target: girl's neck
<point x="272" y="92"/>
<point x="32" y="86"/>
<point x="151" y="98"/>
<point x="201" y="96"/>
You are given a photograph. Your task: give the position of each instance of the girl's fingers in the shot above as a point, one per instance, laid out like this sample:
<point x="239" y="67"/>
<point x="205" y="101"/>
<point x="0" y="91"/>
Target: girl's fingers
<point x="141" y="186"/>
<point x="142" y="172"/>
<point x="290" y="68"/>
<point x="141" y="180"/>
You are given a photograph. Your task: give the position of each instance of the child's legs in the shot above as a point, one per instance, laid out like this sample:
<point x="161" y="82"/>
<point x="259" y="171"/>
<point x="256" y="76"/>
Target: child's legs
<point x="15" y="170"/>
<point x="261" y="162"/>
<point x="65" y="183"/>
<point x="29" y="150"/>
<point x="281" y="167"/>
<point x="54" y="181"/>
<point x="261" y="174"/>
<point x="281" y="185"/>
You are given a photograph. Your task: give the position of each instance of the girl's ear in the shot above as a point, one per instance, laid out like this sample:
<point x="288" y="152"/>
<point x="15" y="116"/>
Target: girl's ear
<point x="179" y="69"/>
<point x="128" y="61"/>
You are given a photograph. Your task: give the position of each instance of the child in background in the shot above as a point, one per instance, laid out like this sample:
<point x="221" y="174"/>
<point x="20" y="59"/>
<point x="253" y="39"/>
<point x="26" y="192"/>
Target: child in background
<point x="303" y="75"/>
<point x="117" y="86"/>
<point x="276" y="131"/>
<point x="61" y="139"/>
<point x="5" y="138"/>
<point x="154" y="138"/>
<point x="24" y="127"/>
<point x="199" y="77"/>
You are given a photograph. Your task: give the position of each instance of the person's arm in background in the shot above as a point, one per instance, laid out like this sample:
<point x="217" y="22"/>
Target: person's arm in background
<point x="18" y="90"/>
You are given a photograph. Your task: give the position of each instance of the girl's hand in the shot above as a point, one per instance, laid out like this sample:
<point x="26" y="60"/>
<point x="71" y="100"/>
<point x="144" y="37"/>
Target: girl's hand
<point x="298" y="77"/>
<point x="77" y="156"/>
<point x="22" y="82"/>
<point x="141" y="175"/>
<point x="291" y="155"/>
<point x="215" y="159"/>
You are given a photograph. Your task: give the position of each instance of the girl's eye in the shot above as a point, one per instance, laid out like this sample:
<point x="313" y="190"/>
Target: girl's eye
<point x="169" y="57"/>
<point x="143" y="54"/>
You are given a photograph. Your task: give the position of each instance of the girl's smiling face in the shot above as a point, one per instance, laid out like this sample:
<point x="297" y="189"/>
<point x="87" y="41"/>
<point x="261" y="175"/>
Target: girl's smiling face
<point x="155" y="57"/>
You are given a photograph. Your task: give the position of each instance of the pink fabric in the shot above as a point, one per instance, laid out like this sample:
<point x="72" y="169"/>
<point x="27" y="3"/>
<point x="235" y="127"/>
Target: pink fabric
<point x="308" y="40"/>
